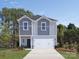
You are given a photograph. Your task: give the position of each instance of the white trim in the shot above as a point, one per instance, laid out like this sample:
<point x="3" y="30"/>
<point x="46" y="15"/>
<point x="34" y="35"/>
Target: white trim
<point x="56" y="34"/>
<point x="25" y="35"/>
<point x="33" y="19"/>
<point x="31" y="42"/>
<point x="37" y="28"/>
<point x="19" y="37"/>
<point x="31" y="36"/>
<point x="24" y="17"/>
<point x="49" y="28"/>
<point x="43" y="17"/>
<point x="43" y="26"/>
<point x="24" y="26"/>
<point x="37" y="35"/>
<point x="32" y="28"/>
<point x="19" y="41"/>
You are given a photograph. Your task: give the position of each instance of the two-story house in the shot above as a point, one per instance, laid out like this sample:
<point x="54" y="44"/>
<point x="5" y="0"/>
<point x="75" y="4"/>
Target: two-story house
<point x="37" y="32"/>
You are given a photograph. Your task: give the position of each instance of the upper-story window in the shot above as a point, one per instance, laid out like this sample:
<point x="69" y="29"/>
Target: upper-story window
<point x="43" y="26"/>
<point x="25" y="25"/>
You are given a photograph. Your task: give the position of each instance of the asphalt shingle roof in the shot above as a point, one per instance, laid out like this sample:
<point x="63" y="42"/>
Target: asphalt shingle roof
<point x="38" y="16"/>
<point x="35" y="17"/>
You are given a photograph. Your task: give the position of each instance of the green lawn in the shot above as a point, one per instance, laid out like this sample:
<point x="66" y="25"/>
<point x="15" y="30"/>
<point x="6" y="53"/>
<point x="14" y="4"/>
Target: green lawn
<point x="69" y="55"/>
<point x="12" y="53"/>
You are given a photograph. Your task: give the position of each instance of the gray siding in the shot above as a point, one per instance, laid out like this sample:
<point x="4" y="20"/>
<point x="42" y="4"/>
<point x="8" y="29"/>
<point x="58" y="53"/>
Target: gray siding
<point x="53" y="28"/>
<point x="26" y="32"/>
<point x="39" y="27"/>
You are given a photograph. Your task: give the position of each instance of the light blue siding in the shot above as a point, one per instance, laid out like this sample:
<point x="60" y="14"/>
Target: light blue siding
<point x="25" y="32"/>
<point x="39" y="27"/>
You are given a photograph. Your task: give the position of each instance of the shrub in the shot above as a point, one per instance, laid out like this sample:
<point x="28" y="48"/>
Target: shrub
<point x="78" y="48"/>
<point x="66" y="45"/>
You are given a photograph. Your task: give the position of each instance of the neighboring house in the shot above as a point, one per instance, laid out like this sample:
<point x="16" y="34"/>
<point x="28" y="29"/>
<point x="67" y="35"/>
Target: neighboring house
<point x="37" y="32"/>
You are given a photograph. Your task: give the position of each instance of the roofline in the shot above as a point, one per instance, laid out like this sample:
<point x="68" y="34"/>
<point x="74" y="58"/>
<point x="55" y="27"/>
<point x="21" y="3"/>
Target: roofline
<point x="44" y="18"/>
<point x="24" y="17"/>
<point x="36" y="19"/>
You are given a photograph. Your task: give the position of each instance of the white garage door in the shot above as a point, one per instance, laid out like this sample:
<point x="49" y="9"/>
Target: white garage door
<point x="43" y="43"/>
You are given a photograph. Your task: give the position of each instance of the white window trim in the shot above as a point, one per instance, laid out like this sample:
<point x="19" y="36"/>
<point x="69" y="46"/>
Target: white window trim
<point x="23" y="25"/>
<point x="42" y="26"/>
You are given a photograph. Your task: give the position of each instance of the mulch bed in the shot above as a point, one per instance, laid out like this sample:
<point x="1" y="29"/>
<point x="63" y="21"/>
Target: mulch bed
<point x="66" y="50"/>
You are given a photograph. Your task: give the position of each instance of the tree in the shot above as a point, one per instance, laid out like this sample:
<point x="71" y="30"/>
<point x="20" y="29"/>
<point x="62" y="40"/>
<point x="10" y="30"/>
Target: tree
<point x="70" y="36"/>
<point x="60" y="33"/>
<point x="5" y="35"/>
<point x="71" y="26"/>
<point x="11" y="15"/>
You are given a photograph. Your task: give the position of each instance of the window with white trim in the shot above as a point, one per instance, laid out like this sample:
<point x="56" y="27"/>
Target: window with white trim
<point x="25" y="25"/>
<point x="43" y="26"/>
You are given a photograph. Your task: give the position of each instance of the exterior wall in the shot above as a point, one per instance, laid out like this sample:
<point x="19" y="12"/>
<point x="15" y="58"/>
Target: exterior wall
<point x="53" y="30"/>
<point x="26" y="32"/>
<point x="39" y="27"/>
<point x="24" y="43"/>
<point x="44" y="36"/>
<point x="35" y="31"/>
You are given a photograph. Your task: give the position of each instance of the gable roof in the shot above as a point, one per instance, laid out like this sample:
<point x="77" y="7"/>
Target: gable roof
<point x="44" y="17"/>
<point x="25" y="17"/>
<point x="36" y="18"/>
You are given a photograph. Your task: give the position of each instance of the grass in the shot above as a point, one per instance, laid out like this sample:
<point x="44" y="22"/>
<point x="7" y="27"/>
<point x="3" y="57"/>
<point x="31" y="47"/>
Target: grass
<point x="12" y="53"/>
<point x="69" y="55"/>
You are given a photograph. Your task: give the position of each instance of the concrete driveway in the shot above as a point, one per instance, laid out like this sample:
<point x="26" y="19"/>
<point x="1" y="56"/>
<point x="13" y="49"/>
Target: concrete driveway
<point x="43" y="54"/>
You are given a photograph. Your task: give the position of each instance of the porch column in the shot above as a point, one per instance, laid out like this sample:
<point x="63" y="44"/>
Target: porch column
<point x="31" y="43"/>
<point x="19" y="41"/>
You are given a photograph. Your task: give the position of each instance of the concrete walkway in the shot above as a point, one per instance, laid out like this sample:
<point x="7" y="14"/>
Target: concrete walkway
<point x="43" y="54"/>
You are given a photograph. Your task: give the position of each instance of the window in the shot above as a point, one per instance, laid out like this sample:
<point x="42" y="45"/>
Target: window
<point x="43" y="26"/>
<point x="23" y="40"/>
<point x="25" y="25"/>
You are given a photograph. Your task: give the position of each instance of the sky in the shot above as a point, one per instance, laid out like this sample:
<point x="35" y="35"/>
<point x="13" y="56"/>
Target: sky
<point x="64" y="11"/>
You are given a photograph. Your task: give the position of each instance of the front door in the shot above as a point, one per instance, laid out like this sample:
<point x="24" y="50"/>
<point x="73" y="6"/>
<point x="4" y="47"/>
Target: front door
<point x="28" y="43"/>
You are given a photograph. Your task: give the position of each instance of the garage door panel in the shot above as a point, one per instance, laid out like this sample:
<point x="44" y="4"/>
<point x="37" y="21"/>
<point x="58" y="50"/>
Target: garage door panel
<point x="43" y="43"/>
